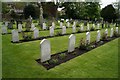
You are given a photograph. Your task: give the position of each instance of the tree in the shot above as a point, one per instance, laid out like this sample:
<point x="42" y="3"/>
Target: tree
<point x="108" y="13"/>
<point x="82" y="10"/>
<point x="30" y="10"/>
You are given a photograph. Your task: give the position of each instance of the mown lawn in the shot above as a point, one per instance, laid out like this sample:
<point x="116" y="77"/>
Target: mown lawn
<point x="19" y="59"/>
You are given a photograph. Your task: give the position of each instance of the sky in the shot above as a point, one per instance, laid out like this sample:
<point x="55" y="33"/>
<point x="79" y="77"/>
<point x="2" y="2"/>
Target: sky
<point x="106" y="2"/>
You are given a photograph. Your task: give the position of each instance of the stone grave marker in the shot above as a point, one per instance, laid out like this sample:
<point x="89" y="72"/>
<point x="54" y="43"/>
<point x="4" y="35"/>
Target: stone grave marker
<point x="61" y="24"/>
<point x="117" y="30"/>
<point x="64" y="30"/>
<point x="36" y="33"/>
<point x="98" y="36"/>
<point x="44" y="26"/>
<point x="73" y="28"/>
<point x="68" y="24"/>
<point x="51" y="31"/>
<point x="71" y="44"/>
<point x="15" y="35"/>
<point x="88" y="37"/>
<point x="19" y="27"/>
<point x="111" y="33"/>
<point x="4" y="29"/>
<point x="45" y="49"/>
<point x="53" y="24"/>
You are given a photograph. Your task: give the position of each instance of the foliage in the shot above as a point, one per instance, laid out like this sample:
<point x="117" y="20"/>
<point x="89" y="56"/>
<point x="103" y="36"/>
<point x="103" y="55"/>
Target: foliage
<point x="104" y="36"/>
<point x="53" y="61"/>
<point x="92" y="28"/>
<point x="27" y="36"/>
<point x="82" y="10"/>
<point x="116" y="34"/>
<point x="112" y="13"/>
<point x="5" y="8"/>
<point x="14" y="15"/>
<point x="29" y="10"/>
<point x="59" y="33"/>
<point x="62" y="55"/>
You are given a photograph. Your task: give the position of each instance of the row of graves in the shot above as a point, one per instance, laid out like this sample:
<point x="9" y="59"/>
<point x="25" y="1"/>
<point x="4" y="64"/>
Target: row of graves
<point x="33" y="33"/>
<point x="49" y="61"/>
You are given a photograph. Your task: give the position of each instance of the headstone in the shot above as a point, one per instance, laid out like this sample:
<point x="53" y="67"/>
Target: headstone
<point x="117" y="30"/>
<point x="19" y="27"/>
<point x="15" y="35"/>
<point x="74" y="24"/>
<point x="6" y="23"/>
<point x="98" y="36"/>
<point x="51" y="31"/>
<point x="44" y="26"/>
<point x="36" y="33"/>
<point x="111" y="34"/>
<point x="32" y="26"/>
<point x="88" y="28"/>
<point x="71" y="45"/>
<point x="61" y="24"/>
<point x="106" y="31"/>
<point x="68" y="24"/>
<point x="94" y="26"/>
<point x="64" y="30"/>
<point x="4" y="29"/>
<point x="98" y="26"/>
<point x="45" y="49"/>
<point x="53" y="24"/>
<point x="74" y="28"/>
<point x="82" y="28"/>
<point x="88" y="37"/>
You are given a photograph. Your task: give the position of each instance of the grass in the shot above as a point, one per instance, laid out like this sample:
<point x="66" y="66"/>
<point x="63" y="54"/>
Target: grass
<point x="19" y="59"/>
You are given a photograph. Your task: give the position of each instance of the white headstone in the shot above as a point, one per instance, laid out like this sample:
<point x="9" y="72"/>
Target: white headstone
<point x="53" y="24"/>
<point x="106" y="31"/>
<point x="82" y="28"/>
<point x="32" y="26"/>
<point x="4" y="29"/>
<point x="88" y="37"/>
<point x="71" y="45"/>
<point x="74" y="28"/>
<point x="68" y="24"/>
<point x="117" y="30"/>
<point x="51" y="31"/>
<point x="36" y="33"/>
<point x="19" y="27"/>
<point x="98" y="26"/>
<point x="61" y="24"/>
<point x="74" y="24"/>
<point x="98" y="36"/>
<point x="15" y="35"/>
<point x="6" y="24"/>
<point x="64" y="30"/>
<point x="88" y="28"/>
<point x="111" y="34"/>
<point x="93" y="25"/>
<point x="45" y="50"/>
<point x="44" y="26"/>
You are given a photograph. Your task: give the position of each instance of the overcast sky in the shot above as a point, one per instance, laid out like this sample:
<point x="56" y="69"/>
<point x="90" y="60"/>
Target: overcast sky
<point x="106" y="2"/>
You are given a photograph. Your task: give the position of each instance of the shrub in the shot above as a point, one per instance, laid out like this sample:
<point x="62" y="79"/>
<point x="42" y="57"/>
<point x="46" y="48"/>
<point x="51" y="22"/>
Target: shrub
<point x="104" y="37"/>
<point x="27" y="36"/>
<point x="53" y="61"/>
<point x="116" y="34"/>
<point x="92" y="29"/>
<point x="59" y="33"/>
<point x="62" y="55"/>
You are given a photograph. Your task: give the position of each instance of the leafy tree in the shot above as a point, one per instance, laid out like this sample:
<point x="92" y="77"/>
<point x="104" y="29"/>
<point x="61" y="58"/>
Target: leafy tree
<point x="30" y="10"/>
<point x="108" y="13"/>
